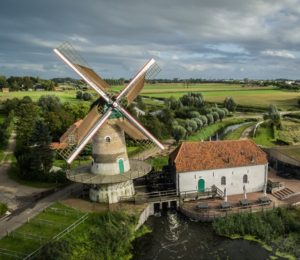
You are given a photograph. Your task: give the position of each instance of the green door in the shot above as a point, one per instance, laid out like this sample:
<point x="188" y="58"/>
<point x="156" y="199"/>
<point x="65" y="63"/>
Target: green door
<point x="201" y="185"/>
<point x="121" y="166"/>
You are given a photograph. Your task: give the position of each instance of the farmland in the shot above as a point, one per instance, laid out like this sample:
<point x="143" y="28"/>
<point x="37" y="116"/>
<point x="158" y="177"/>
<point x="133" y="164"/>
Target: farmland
<point x="213" y="92"/>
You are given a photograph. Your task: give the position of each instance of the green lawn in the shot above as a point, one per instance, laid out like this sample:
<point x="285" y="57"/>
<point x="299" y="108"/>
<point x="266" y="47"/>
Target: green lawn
<point x="264" y="136"/>
<point x="158" y="162"/>
<point x="237" y="133"/>
<point x="39" y="230"/>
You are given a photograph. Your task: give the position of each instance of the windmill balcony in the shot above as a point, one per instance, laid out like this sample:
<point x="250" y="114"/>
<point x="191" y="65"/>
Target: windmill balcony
<point x="82" y="174"/>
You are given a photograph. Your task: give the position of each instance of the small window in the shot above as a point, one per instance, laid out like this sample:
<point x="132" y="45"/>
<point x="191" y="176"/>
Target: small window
<point x="245" y="178"/>
<point x="223" y="180"/>
<point x="107" y="139"/>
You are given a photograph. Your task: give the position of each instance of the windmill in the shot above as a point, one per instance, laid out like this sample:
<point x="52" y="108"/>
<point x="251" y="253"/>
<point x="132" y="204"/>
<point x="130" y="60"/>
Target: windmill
<point x="111" y="173"/>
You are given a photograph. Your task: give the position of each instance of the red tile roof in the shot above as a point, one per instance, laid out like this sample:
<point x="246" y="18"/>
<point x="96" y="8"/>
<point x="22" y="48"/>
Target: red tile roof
<point x="198" y="156"/>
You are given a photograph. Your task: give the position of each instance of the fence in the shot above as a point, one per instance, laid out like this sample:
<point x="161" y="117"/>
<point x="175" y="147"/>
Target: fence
<point x="58" y="236"/>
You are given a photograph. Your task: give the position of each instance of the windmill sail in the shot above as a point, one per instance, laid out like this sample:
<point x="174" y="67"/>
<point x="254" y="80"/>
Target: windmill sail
<point x="131" y="91"/>
<point x="130" y="129"/>
<point x="67" y="53"/>
<point x="77" y="139"/>
<point x="74" y="140"/>
<point x="142" y="129"/>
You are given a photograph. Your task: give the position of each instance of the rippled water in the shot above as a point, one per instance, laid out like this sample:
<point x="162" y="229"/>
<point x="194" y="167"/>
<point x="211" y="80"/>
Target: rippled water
<point x="176" y="237"/>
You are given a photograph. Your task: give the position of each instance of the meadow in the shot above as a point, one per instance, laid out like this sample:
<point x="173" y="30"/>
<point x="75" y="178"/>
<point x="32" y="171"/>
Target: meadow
<point x="29" y="237"/>
<point x="260" y="97"/>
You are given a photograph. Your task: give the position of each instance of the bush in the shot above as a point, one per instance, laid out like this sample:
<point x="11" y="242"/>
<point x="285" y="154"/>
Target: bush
<point x="210" y="119"/>
<point x="86" y="96"/>
<point x="3" y="208"/>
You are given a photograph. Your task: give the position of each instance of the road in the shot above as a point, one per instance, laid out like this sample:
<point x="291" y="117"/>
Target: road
<point x="11" y="192"/>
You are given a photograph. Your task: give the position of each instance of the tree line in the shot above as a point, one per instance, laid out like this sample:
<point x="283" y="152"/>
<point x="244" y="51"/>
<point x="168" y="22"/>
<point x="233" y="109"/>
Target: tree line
<point x="25" y="83"/>
<point x="37" y="125"/>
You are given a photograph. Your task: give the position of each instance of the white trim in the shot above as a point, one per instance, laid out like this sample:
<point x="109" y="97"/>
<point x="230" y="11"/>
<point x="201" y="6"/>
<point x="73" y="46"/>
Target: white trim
<point x="106" y="138"/>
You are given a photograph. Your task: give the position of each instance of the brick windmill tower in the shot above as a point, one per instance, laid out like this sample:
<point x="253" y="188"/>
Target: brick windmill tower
<point x="111" y="173"/>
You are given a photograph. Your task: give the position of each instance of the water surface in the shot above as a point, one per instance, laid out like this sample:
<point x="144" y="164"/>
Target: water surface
<point x="176" y="237"/>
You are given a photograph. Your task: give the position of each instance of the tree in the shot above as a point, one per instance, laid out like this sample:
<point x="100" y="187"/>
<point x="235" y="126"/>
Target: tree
<point x="86" y="96"/>
<point x="42" y="155"/>
<point x="193" y="114"/>
<point x="178" y="132"/>
<point x="140" y="103"/>
<point x="274" y="115"/>
<point x="299" y="102"/>
<point x="173" y="103"/>
<point x="191" y="126"/>
<point x="192" y="100"/>
<point x="3" y="82"/>
<point x="221" y="113"/>
<point x="79" y="94"/>
<point x="27" y="114"/>
<point x="215" y="116"/>
<point x="198" y="122"/>
<point x="230" y="104"/>
<point x="204" y="120"/>
<point x="49" y="103"/>
<point x="210" y="119"/>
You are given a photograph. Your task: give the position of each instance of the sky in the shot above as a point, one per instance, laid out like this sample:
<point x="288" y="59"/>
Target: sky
<point x="189" y="39"/>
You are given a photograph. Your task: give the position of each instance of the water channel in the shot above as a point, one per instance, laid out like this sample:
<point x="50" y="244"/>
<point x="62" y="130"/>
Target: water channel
<point x="223" y="132"/>
<point x="174" y="236"/>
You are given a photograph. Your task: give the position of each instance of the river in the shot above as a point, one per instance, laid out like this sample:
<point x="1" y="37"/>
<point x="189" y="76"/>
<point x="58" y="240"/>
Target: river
<point x="174" y="236"/>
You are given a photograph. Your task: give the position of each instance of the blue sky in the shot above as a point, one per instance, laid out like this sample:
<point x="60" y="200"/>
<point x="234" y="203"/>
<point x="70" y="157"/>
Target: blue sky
<point x="207" y="38"/>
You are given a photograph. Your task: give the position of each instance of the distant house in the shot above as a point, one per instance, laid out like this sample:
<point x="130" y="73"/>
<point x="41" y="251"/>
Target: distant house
<point x="5" y="90"/>
<point x="39" y="88"/>
<point x="139" y="112"/>
<point x="198" y="166"/>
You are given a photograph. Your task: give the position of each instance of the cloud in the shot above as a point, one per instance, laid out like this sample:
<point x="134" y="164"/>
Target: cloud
<point x="279" y="53"/>
<point x="209" y="38"/>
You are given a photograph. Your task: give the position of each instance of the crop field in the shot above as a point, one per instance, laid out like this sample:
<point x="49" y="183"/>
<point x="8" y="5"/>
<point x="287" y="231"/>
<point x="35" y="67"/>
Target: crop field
<point x="29" y="237"/>
<point x="213" y="92"/>
<point x="290" y="132"/>
<point x="216" y="92"/>
<point x="65" y="96"/>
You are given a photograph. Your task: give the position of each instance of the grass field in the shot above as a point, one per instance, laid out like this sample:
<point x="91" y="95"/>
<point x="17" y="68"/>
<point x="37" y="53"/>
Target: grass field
<point x="264" y="136"/>
<point x="29" y="237"/>
<point x="262" y="97"/>
<point x="213" y="92"/>
<point x="65" y="96"/>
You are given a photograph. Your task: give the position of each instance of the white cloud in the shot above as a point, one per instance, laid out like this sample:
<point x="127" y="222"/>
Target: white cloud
<point x="279" y="53"/>
<point x="204" y="67"/>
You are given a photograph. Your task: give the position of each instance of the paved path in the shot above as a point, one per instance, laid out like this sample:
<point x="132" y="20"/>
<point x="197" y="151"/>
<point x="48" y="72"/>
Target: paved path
<point x="16" y="220"/>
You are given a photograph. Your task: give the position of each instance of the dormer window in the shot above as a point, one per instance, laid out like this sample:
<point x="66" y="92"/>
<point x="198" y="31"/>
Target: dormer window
<point x="107" y="139"/>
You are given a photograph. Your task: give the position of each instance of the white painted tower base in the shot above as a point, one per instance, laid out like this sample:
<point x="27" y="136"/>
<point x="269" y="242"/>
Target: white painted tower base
<point x="110" y="193"/>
